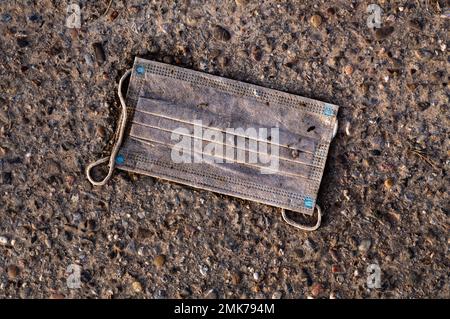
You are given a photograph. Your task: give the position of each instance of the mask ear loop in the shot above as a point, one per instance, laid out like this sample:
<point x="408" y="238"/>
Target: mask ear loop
<point x="300" y="226"/>
<point x="115" y="150"/>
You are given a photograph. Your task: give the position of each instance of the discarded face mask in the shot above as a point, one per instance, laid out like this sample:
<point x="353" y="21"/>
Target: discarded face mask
<point x="223" y="135"/>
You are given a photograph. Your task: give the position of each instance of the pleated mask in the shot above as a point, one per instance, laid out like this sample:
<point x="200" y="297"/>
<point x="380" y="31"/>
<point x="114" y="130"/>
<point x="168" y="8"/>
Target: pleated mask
<point x="224" y="136"/>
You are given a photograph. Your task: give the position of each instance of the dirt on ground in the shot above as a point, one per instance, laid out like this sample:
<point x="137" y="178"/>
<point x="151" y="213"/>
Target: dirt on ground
<point x="384" y="192"/>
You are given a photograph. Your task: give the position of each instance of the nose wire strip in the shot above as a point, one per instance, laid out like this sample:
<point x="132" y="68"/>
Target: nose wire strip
<point x="115" y="150"/>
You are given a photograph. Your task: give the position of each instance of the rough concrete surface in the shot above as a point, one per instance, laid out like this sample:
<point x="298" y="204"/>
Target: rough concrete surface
<point x="384" y="192"/>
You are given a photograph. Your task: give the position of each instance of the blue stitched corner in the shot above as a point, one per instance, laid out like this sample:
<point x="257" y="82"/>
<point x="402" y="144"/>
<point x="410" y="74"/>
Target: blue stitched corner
<point x="328" y="110"/>
<point x="140" y="69"/>
<point x="120" y="159"/>
<point x="308" y="202"/>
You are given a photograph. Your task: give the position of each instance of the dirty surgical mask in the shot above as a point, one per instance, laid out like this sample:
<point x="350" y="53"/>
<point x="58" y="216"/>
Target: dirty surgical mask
<point x="224" y="136"/>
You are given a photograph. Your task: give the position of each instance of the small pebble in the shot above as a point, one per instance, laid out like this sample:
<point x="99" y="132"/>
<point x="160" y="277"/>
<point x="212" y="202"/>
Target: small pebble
<point x="137" y="287"/>
<point x="91" y="225"/>
<point x="424" y="54"/>
<point x="388" y="183"/>
<point x="255" y="289"/>
<point x="3" y="240"/>
<point x="220" y="33"/>
<point x="143" y="233"/>
<point x="113" y="15"/>
<point x="153" y="48"/>
<point x="277" y="295"/>
<point x="222" y="61"/>
<point x="445" y="14"/>
<point x="383" y="33"/>
<point x="256" y="276"/>
<point x="141" y="215"/>
<point x="70" y="180"/>
<point x="48" y="243"/>
<point x="416" y="24"/>
<point x="88" y="59"/>
<point x="204" y="270"/>
<point x="142" y="251"/>
<point x="185" y="293"/>
<point x="34" y="18"/>
<point x="375" y="152"/>
<point x="331" y="11"/>
<point x="134" y="9"/>
<point x="131" y="247"/>
<point x="347" y="129"/>
<point x="348" y="69"/>
<point x="4" y="116"/>
<point x="6" y="17"/>
<point x="257" y="53"/>
<point x="2" y="152"/>
<point x="167" y="59"/>
<point x="13" y="272"/>
<point x="364" y="246"/>
<point x="23" y="42"/>
<point x="74" y="34"/>
<point x="159" y="261"/>
<point x="309" y="245"/>
<point x="101" y="131"/>
<point x="100" y="56"/>
<point x="162" y="294"/>
<point x="316" y="290"/>
<point x="241" y="2"/>
<point x="334" y="255"/>
<point x="316" y="20"/>
<point x="423" y="106"/>
<point x="235" y="278"/>
<point x="395" y="217"/>
<point x="335" y="269"/>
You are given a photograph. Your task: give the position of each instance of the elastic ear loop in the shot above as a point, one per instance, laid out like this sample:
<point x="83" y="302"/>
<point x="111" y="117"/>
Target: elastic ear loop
<point x="300" y="226"/>
<point x="319" y="211"/>
<point x="115" y="150"/>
